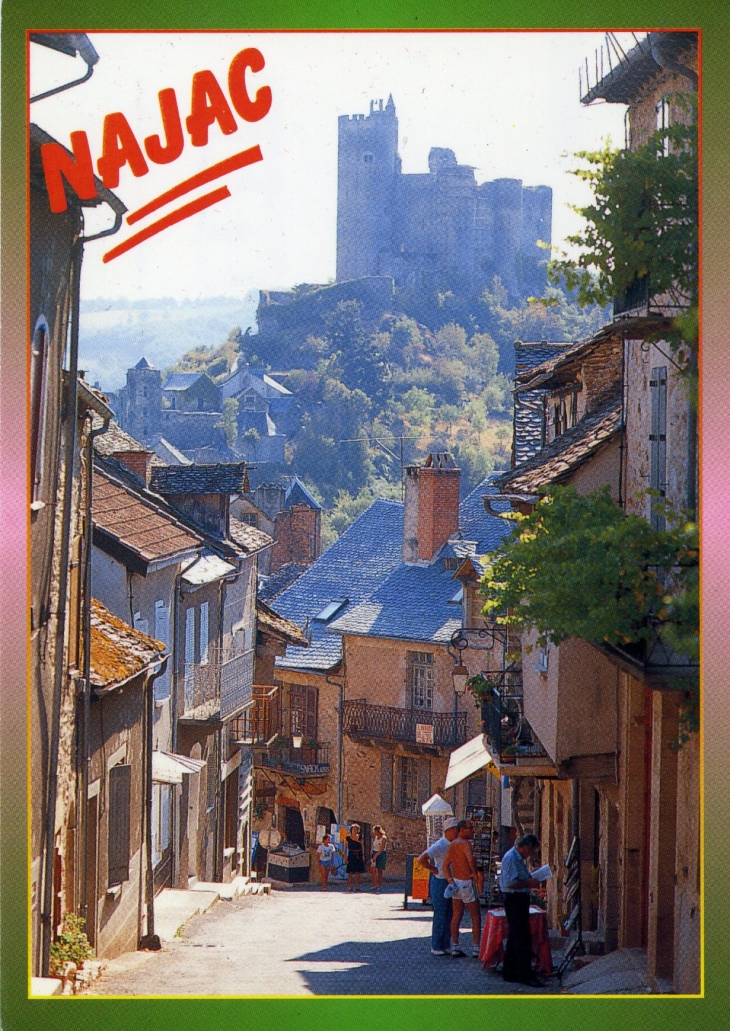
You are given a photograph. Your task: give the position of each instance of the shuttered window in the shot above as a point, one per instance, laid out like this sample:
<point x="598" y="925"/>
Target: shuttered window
<point x="408" y="785"/>
<point x="204" y="610"/>
<point x="120" y="787"/>
<point x="162" y="633"/>
<point x="386" y="782"/>
<point x="658" y="445"/>
<point x="421" y="672"/>
<point x="189" y="658"/>
<point x="143" y="625"/>
<point x="424" y="782"/>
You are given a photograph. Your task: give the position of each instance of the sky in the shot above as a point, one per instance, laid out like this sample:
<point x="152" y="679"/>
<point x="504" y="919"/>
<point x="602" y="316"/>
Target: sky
<point x="505" y="103"/>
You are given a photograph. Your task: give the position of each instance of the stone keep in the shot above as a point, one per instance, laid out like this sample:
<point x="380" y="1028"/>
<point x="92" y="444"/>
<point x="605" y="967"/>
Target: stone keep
<point x="436" y="227"/>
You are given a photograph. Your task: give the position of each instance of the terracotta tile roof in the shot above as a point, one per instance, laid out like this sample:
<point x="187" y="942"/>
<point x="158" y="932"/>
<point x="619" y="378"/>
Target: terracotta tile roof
<point x="125" y="516"/>
<point x="565" y="453"/>
<point x="250" y="538"/>
<point x="271" y="622"/>
<point x="118" y="652"/>
<point x="221" y="478"/>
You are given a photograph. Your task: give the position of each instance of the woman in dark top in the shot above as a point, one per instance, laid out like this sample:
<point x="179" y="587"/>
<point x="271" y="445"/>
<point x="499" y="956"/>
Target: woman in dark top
<point x="355" y="857"/>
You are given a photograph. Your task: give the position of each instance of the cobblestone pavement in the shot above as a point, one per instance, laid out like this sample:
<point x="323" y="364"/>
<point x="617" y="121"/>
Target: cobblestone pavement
<point x="306" y="942"/>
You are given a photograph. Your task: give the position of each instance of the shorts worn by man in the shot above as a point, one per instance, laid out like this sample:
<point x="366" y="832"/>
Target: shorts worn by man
<point x="433" y="859"/>
<point x="461" y="872"/>
<point x="515" y="883"/>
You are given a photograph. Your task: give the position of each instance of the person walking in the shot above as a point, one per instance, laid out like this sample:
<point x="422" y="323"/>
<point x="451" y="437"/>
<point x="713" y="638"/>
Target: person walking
<point x="515" y="883"/>
<point x="378" y="857"/>
<point x="325" y="853"/>
<point x="433" y="859"/>
<point x="466" y="886"/>
<point x="355" y="857"/>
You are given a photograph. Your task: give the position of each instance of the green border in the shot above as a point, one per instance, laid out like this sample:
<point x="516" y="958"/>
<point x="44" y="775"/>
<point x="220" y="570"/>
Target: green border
<point x="713" y="17"/>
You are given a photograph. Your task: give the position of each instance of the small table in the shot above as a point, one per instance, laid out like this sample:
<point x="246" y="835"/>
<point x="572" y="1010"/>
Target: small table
<point x="491" y="951"/>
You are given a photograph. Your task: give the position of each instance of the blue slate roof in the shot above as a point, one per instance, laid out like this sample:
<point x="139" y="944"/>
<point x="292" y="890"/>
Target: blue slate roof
<point x="358" y="561"/>
<point x="297" y="494"/>
<point x="528" y="406"/>
<point x="385" y="597"/>
<point x="181" y="380"/>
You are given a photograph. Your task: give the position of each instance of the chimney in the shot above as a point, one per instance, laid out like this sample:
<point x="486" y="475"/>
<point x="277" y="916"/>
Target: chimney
<point x="138" y="462"/>
<point x="431" y="510"/>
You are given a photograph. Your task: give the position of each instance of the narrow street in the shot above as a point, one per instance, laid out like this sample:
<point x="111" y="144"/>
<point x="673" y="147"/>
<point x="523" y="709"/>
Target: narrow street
<point x="305" y="942"/>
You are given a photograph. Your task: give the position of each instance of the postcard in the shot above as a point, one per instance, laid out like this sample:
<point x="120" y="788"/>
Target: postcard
<point x="367" y="366"/>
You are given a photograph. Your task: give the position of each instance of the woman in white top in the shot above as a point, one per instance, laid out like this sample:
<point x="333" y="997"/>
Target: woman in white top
<point x="325" y="852"/>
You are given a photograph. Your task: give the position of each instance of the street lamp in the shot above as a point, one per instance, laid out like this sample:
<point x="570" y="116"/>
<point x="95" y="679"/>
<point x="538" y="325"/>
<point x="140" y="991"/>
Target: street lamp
<point x="296" y="736"/>
<point x="491" y="635"/>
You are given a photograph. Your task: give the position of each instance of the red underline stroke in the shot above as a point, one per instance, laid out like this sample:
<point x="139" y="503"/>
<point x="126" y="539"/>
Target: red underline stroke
<point x="168" y="220"/>
<point x="240" y="160"/>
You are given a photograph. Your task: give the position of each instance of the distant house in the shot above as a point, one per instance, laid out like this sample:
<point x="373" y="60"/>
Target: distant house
<point x="190" y="392"/>
<point x="292" y="516"/>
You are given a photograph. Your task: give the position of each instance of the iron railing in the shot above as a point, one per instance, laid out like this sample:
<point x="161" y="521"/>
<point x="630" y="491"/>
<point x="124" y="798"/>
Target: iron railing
<point x="308" y="761"/>
<point x="260" y="722"/>
<point x="508" y="733"/>
<point x="216" y="689"/>
<point x="418" y="726"/>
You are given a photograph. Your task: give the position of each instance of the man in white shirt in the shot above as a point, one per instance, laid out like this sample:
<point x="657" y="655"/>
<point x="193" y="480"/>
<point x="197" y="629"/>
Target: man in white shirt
<point x="433" y="860"/>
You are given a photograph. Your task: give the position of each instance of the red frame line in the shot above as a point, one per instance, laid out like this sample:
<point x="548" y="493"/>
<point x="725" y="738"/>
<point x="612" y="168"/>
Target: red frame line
<point x="168" y="220"/>
<point x="240" y="160"/>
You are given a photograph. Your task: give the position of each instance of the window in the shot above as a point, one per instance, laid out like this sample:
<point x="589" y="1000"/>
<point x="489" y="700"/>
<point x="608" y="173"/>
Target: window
<point x="143" y="625"/>
<point x="368" y="159"/>
<point x="330" y="609"/>
<point x="422" y="679"/>
<point x="303" y="711"/>
<point x="120" y="784"/>
<point x="458" y="598"/>
<point x="408" y="786"/>
<point x="204" y="615"/>
<point x="451" y="564"/>
<point x="663" y="122"/>
<point x="250" y="518"/>
<point x="249" y="403"/>
<point x="658" y="445"/>
<point x="543" y="659"/>
<point x="162" y="633"/>
<point x="38" y="363"/>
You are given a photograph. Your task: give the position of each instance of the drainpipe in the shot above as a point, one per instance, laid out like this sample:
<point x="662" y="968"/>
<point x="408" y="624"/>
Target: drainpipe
<point x="69" y="418"/>
<point x="146" y="941"/>
<point x="341" y="688"/>
<point x="86" y="698"/>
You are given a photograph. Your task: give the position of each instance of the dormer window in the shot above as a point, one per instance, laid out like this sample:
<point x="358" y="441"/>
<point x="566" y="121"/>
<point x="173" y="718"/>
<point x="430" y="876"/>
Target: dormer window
<point x="458" y="597"/>
<point x="451" y="564"/>
<point x="330" y="610"/>
<point x="367" y="159"/>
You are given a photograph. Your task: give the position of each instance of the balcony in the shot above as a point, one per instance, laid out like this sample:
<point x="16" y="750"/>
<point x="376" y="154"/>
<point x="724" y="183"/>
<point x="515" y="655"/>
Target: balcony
<point x="415" y="726"/>
<point x="638" y="302"/>
<point x="260" y="722"/>
<point x="509" y="737"/>
<point x="308" y="761"/>
<point x="214" y="690"/>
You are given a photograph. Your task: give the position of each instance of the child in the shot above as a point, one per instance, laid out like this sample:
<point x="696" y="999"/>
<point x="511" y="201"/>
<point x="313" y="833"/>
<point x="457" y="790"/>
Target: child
<point x="325" y="851"/>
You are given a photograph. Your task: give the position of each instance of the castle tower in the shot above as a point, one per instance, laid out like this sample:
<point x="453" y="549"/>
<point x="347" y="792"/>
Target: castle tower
<point x="144" y="400"/>
<point x="368" y="166"/>
<point x="537" y="219"/>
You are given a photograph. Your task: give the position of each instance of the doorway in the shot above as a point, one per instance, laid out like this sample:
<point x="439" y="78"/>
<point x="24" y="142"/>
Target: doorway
<point x="92" y="816"/>
<point x="293" y="826"/>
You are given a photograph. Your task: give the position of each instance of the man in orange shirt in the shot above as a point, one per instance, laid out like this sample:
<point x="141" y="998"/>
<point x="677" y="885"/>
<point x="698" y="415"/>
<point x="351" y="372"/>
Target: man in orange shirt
<point x="466" y="885"/>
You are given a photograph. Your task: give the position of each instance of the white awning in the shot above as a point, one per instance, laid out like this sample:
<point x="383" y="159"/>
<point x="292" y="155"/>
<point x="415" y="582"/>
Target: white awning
<point x="168" y="768"/>
<point x="468" y="760"/>
<point x="207" y="569"/>
<point x="437" y="806"/>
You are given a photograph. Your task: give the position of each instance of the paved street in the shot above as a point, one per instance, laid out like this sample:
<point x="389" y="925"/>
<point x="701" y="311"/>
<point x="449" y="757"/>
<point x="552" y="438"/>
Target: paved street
<point x="305" y="942"/>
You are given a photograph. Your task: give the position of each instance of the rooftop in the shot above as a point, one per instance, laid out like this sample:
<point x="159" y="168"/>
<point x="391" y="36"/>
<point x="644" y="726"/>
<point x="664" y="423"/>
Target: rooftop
<point x="116" y="440"/>
<point x="297" y="494"/>
<point x="221" y="478"/>
<point x="271" y="586"/>
<point x="118" y="652"/>
<point x="123" y="516"/>
<point x="250" y="538"/>
<point x="628" y="74"/>
<point x="270" y="622"/>
<point x="563" y="455"/>
<point x="182" y="380"/>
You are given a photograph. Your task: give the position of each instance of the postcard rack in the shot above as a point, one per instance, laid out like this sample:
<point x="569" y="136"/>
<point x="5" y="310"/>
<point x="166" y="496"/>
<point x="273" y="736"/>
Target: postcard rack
<point x="573" y="924"/>
<point x="485" y="856"/>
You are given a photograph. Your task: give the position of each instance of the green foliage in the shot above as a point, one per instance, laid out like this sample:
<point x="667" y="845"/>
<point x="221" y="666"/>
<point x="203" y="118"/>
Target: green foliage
<point x="579" y="566"/>
<point x="229" y="420"/>
<point x="71" y="946"/>
<point x="644" y="217"/>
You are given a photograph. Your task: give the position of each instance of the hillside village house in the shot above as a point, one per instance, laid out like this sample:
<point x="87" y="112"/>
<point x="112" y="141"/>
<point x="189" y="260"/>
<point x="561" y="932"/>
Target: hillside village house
<point x="615" y="411"/>
<point x="375" y="684"/>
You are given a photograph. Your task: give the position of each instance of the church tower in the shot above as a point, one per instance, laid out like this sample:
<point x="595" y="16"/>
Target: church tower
<point x="144" y="401"/>
<point x="368" y="166"/>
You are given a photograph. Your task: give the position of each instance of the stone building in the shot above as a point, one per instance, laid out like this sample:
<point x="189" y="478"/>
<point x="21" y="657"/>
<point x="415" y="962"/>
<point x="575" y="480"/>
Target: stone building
<point x="381" y="605"/>
<point x="435" y="227"/>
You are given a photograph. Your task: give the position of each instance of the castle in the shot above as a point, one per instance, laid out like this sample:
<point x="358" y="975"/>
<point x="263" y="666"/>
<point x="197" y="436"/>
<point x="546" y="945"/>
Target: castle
<point x="435" y="228"/>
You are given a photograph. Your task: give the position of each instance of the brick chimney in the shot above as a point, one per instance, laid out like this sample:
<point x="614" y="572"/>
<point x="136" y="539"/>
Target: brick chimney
<point x="138" y="462"/>
<point x="431" y="510"/>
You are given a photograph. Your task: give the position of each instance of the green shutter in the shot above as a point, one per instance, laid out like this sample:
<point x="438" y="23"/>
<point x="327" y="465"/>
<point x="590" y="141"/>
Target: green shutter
<point x="386" y="782"/>
<point x="120" y="786"/>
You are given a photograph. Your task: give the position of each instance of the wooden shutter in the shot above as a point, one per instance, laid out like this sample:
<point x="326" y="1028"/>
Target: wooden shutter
<point x="204" y="610"/>
<point x="424" y="781"/>
<point x="162" y="633"/>
<point x="658" y="441"/>
<point x="386" y="782"/>
<point x="120" y="786"/>
<point x="189" y="657"/>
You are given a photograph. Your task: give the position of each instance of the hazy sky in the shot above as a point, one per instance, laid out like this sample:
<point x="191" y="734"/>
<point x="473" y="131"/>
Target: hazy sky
<point x="506" y="103"/>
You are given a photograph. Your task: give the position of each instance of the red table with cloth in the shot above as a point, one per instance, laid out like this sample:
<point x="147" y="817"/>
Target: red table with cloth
<point x="491" y="951"/>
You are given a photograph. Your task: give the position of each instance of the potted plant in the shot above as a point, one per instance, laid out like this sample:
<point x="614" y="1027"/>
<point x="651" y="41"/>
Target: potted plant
<point x="481" y="687"/>
<point x="71" y="946"/>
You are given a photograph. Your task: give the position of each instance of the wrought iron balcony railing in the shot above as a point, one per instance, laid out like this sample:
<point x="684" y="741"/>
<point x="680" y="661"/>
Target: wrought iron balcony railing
<point x="417" y="726"/>
<point x="216" y="689"/>
<point x="308" y="761"/>
<point x="509" y="735"/>
<point x="260" y="722"/>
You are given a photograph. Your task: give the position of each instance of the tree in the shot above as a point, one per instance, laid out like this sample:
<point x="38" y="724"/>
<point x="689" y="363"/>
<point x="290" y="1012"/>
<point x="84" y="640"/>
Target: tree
<point x="229" y="420"/>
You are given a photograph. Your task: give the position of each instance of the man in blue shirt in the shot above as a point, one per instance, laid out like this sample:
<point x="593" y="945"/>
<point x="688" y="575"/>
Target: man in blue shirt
<point x="515" y="883"/>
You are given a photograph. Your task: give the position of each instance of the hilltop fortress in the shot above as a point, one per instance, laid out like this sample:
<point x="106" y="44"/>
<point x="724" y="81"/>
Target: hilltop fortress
<point x="437" y="227"/>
